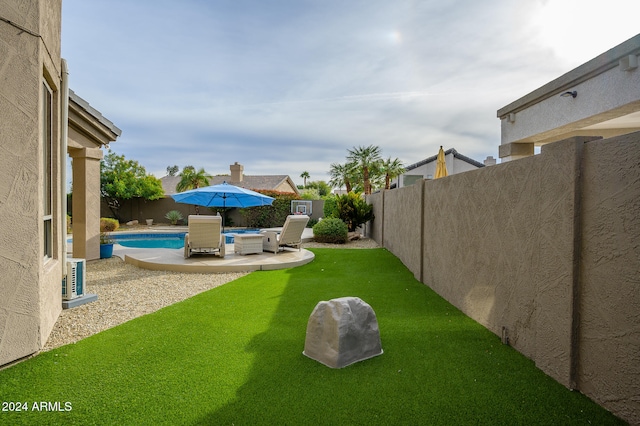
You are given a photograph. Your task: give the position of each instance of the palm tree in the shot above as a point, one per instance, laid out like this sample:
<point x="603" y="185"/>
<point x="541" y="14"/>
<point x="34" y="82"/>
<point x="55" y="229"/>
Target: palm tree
<point x="341" y="175"/>
<point x="365" y="158"/>
<point x="305" y="175"/>
<point x="391" y="169"/>
<point x="192" y="179"/>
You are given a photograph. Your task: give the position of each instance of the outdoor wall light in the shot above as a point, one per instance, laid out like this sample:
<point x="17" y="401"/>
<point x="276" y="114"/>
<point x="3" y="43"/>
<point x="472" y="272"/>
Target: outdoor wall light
<point x="567" y="94"/>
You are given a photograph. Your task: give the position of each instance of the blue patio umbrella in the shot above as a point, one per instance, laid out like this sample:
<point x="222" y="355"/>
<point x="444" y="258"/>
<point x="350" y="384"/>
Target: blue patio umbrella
<point x="223" y="195"/>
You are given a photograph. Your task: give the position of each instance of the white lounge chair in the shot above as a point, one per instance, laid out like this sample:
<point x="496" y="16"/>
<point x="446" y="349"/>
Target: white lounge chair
<point x="290" y="236"/>
<point x="204" y="236"/>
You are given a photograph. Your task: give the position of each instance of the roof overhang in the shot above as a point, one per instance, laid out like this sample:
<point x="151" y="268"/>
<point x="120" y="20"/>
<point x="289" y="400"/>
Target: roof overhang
<point x="607" y="101"/>
<point x="88" y="128"/>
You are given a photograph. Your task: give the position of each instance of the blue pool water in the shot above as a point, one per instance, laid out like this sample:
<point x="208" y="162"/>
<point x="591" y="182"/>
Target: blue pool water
<point x="229" y="235"/>
<point x="170" y="241"/>
<point x="173" y="240"/>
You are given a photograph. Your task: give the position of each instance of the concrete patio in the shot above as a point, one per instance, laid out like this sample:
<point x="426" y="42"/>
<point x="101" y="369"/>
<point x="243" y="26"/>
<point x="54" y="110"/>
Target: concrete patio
<point x="160" y="259"/>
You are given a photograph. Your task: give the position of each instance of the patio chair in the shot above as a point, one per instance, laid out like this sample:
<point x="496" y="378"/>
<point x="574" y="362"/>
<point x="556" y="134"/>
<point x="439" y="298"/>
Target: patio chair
<point x="290" y="236"/>
<point x="204" y="236"/>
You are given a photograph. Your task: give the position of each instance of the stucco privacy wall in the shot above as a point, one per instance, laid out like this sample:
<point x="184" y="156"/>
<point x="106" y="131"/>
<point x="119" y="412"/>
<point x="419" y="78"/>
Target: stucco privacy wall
<point x="406" y="222"/>
<point x="609" y="333"/>
<point x="30" y="288"/>
<point x="503" y="244"/>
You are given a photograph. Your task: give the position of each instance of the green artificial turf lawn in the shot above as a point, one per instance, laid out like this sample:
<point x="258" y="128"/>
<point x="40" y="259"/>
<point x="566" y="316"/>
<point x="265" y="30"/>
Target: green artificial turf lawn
<point x="233" y="355"/>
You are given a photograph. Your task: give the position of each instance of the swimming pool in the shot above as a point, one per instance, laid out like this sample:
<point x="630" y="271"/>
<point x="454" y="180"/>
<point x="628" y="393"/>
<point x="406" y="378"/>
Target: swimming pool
<point x="155" y="240"/>
<point x="173" y="240"/>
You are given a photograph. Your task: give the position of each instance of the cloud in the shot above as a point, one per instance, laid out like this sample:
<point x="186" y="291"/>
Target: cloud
<point x="288" y="86"/>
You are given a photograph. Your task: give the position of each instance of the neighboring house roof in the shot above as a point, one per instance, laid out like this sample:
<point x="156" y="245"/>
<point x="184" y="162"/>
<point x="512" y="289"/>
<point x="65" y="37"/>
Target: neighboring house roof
<point x="455" y="153"/>
<point x="268" y="182"/>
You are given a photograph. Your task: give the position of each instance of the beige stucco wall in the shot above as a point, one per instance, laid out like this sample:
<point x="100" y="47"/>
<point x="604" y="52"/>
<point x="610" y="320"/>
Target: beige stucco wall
<point x="406" y="222"/>
<point x="86" y="202"/>
<point x="609" y="334"/>
<point x="30" y="288"/>
<point x="504" y="245"/>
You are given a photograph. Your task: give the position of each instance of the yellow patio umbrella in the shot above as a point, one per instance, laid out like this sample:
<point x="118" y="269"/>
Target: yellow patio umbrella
<point x="441" y="165"/>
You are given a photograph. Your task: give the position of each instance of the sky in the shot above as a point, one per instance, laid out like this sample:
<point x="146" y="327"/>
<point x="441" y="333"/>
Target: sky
<point x="288" y="86"/>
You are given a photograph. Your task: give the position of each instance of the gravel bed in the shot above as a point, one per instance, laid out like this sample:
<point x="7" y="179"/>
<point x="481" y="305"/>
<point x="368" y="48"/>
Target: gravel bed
<point x="361" y="243"/>
<point x="126" y="292"/>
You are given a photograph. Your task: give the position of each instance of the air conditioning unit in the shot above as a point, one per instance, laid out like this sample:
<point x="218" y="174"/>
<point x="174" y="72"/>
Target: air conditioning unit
<point x="73" y="283"/>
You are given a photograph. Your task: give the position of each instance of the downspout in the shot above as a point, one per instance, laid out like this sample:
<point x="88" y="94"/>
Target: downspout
<point x="64" y="133"/>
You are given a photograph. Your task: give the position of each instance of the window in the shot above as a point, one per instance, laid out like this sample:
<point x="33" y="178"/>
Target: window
<point x="47" y="169"/>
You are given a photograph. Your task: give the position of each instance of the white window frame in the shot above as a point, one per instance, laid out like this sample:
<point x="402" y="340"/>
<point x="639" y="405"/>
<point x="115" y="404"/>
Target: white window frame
<point x="47" y="169"/>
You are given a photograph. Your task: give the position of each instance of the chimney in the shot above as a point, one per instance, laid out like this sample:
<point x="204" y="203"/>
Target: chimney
<point x="236" y="172"/>
<point x="490" y="161"/>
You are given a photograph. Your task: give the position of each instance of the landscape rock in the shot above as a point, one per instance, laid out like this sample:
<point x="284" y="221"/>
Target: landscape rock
<point x="132" y="223"/>
<point x="341" y="332"/>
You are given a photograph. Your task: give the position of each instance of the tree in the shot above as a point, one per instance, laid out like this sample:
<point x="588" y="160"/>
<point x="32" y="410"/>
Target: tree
<point x="172" y="170"/>
<point x="365" y="158"/>
<point x="391" y="169"/>
<point x="310" y="194"/>
<point x="192" y="179"/>
<point x="305" y="175"/>
<point x="323" y="188"/>
<point x="341" y="175"/>
<point x="122" y="179"/>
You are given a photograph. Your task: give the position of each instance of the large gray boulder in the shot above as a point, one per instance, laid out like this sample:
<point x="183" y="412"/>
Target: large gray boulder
<point x="342" y="331"/>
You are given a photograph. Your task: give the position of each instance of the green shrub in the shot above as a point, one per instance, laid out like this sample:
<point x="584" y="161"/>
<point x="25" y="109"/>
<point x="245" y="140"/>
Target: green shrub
<point x="108" y="224"/>
<point x="312" y="223"/>
<point x="270" y="216"/>
<point x="353" y="210"/>
<point x="174" y="216"/>
<point x="329" y="209"/>
<point x="331" y="230"/>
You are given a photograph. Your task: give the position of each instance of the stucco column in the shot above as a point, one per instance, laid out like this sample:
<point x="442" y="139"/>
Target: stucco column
<point x="515" y="150"/>
<point x="86" y="202"/>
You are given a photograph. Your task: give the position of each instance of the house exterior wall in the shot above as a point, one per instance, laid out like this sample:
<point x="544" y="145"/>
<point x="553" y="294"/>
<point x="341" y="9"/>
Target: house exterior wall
<point x="544" y="249"/>
<point x="608" y="95"/>
<point x="30" y="285"/>
<point x="428" y="171"/>
<point x="286" y="187"/>
<point x="606" y="104"/>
